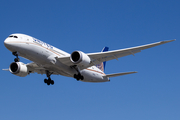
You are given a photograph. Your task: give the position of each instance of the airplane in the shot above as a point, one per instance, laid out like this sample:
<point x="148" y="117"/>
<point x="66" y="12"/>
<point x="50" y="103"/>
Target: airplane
<point x="49" y="60"/>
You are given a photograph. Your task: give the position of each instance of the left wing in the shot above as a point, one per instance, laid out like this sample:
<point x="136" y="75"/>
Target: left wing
<point x="99" y="57"/>
<point x="33" y="67"/>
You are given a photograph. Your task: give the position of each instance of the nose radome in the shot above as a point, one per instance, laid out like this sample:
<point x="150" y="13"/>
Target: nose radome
<point x="7" y="43"/>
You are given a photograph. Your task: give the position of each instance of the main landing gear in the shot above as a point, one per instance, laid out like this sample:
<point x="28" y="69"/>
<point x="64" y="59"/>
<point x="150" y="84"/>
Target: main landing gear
<point x="48" y="81"/>
<point x="17" y="58"/>
<point x="78" y="76"/>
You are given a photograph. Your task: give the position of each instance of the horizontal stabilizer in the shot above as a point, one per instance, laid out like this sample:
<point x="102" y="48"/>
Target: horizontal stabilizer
<point x="119" y="74"/>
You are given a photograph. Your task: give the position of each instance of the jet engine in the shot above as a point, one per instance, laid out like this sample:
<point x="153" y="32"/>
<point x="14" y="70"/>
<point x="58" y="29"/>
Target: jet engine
<point x="81" y="59"/>
<point x="19" y="69"/>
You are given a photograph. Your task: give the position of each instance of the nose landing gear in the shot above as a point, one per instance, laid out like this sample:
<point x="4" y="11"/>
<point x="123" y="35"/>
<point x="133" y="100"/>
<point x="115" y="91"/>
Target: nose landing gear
<point x="48" y="81"/>
<point x="17" y="58"/>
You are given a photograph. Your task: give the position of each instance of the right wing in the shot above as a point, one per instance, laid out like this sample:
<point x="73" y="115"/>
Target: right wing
<point x="106" y="56"/>
<point x="99" y="57"/>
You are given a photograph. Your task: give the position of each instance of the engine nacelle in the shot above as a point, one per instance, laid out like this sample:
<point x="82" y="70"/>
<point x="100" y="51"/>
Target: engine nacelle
<point x="19" y="69"/>
<point x="81" y="59"/>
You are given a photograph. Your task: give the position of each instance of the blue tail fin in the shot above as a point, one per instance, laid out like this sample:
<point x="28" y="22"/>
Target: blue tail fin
<point x="102" y="65"/>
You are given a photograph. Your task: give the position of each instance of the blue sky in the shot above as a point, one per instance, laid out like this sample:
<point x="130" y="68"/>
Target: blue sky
<point x="151" y="94"/>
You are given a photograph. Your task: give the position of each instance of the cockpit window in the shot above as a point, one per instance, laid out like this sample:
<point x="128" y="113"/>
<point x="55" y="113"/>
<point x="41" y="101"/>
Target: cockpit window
<point x="13" y="36"/>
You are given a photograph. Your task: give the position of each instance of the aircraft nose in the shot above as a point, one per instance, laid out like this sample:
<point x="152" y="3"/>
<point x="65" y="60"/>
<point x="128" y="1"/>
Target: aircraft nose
<point x="7" y="43"/>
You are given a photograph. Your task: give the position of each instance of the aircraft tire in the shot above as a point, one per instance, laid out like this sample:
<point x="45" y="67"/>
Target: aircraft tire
<point x="82" y="78"/>
<point x="52" y="82"/>
<point x="76" y="77"/>
<point x="48" y="83"/>
<point x="45" y="80"/>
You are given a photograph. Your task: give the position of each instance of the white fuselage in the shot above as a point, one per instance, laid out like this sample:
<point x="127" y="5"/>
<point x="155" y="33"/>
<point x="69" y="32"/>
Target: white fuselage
<point x="44" y="55"/>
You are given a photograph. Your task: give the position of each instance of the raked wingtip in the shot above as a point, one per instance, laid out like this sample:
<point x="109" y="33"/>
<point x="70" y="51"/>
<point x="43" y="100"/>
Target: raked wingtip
<point x="169" y="41"/>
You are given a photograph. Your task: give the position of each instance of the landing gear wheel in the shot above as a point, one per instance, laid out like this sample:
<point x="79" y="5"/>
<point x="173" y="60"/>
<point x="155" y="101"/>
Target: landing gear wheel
<point x="82" y="78"/>
<point x="48" y="81"/>
<point x="45" y="80"/>
<point x="78" y="77"/>
<point x="52" y="82"/>
<point x="16" y="54"/>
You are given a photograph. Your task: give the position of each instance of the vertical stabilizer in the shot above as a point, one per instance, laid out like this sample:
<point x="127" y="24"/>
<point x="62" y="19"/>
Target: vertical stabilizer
<point x="103" y="64"/>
